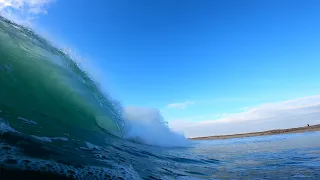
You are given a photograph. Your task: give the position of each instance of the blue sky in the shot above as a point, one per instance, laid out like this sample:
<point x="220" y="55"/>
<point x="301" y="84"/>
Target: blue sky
<point x="195" y="60"/>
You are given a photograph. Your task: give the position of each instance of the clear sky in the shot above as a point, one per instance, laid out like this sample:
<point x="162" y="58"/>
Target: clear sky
<point x="195" y="60"/>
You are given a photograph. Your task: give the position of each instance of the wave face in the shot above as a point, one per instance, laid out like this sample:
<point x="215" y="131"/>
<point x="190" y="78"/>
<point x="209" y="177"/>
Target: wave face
<point x="42" y="83"/>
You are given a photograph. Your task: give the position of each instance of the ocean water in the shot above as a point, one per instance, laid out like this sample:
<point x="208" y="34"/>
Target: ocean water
<point x="57" y="123"/>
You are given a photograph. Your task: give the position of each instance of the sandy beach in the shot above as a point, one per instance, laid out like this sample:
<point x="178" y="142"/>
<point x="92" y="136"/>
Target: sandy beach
<point x="263" y="133"/>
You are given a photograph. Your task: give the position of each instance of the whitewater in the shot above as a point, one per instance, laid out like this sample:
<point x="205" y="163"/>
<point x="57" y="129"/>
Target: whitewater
<point x="57" y="123"/>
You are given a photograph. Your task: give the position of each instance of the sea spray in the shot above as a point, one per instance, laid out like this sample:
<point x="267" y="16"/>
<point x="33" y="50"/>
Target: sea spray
<point x="146" y="125"/>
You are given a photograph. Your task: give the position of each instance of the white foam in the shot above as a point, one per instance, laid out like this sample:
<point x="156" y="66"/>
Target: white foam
<point x="148" y="126"/>
<point x="27" y="121"/>
<point x="5" y="127"/>
<point x="60" y="139"/>
<point x="91" y="147"/>
<point x="10" y="157"/>
<point x="43" y="139"/>
<point x="48" y="139"/>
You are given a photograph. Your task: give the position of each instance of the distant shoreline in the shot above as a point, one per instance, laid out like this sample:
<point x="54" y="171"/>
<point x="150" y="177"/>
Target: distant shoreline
<point x="263" y="133"/>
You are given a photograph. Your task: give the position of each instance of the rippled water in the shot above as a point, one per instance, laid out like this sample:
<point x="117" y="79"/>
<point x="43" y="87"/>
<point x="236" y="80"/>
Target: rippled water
<point x="269" y="157"/>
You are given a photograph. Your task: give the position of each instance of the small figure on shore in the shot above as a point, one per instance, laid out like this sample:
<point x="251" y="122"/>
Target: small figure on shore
<point x="308" y="125"/>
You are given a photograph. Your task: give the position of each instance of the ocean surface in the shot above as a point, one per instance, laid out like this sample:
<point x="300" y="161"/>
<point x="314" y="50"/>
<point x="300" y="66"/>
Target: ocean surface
<point x="57" y="123"/>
